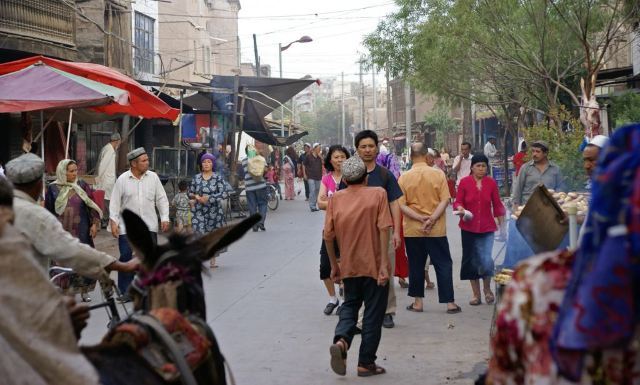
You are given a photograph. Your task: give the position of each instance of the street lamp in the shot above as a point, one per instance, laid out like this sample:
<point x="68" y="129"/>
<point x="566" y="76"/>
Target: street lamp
<point x="194" y="25"/>
<point x="303" y="39"/>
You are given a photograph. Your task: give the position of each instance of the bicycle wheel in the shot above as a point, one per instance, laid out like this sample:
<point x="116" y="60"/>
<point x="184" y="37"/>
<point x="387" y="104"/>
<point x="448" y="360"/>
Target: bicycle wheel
<point x="272" y="198"/>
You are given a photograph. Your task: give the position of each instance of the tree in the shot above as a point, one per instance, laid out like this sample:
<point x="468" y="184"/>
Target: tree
<point x="442" y="124"/>
<point x="514" y="56"/>
<point x="625" y="109"/>
<point x="324" y="122"/>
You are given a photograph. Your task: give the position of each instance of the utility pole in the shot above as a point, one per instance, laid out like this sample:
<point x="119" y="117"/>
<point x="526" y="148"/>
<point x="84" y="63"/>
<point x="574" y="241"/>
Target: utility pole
<point x="389" y="118"/>
<point x="361" y="98"/>
<point x="375" y="101"/>
<point x="407" y="114"/>
<point x="255" y="52"/>
<point x="344" y="138"/>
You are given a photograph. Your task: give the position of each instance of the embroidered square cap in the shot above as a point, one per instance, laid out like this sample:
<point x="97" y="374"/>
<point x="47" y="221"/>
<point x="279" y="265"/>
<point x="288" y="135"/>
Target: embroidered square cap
<point x="353" y="169"/>
<point x="135" y="153"/>
<point x="115" y="136"/>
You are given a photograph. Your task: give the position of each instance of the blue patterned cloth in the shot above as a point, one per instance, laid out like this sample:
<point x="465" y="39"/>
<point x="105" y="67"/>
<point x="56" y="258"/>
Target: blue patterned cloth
<point x="600" y="308"/>
<point x="209" y="216"/>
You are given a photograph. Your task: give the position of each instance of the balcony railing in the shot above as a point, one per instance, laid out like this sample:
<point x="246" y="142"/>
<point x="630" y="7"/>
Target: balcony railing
<point x="50" y="20"/>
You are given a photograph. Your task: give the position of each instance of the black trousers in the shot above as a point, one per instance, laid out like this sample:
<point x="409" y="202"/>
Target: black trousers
<point x="325" y="262"/>
<point x="306" y="188"/>
<point x="418" y="248"/>
<point x="356" y="291"/>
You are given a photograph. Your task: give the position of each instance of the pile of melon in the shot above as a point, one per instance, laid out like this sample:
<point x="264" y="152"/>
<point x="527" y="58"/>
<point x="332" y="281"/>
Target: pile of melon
<point x="565" y="200"/>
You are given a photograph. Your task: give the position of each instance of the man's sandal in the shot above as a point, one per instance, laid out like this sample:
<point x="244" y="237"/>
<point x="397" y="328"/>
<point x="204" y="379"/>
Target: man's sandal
<point x="338" y="352"/>
<point x="489" y="298"/>
<point x="370" y="370"/>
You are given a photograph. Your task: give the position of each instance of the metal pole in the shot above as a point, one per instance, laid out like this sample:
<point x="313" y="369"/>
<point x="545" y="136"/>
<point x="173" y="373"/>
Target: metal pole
<point x="407" y="114"/>
<point x="255" y="52"/>
<point x="44" y="174"/>
<point x="344" y="138"/>
<point x="375" y="101"/>
<point x="180" y="132"/>
<point x="66" y="148"/>
<point x="389" y="119"/>
<point x="361" y="99"/>
<point x="235" y="147"/>
<point x="282" y="104"/>
<point x="573" y="226"/>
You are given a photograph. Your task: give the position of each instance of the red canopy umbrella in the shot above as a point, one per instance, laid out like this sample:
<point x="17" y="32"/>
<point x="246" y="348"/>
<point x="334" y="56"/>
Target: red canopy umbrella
<point x="40" y="87"/>
<point x="142" y="103"/>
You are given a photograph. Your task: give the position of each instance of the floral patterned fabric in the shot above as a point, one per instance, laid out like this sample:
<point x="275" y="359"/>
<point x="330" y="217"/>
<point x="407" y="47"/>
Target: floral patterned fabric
<point x="209" y="216"/>
<point x="526" y="317"/>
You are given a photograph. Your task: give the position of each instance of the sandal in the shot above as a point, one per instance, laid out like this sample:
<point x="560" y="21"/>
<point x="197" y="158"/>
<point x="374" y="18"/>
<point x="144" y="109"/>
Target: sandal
<point x="370" y="370"/>
<point x="338" y="354"/>
<point x="431" y="286"/>
<point x="489" y="298"/>
<point x="475" y="302"/>
<point x="455" y="310"/>
<point x="413" y="309"/>
<point x="403" y="283"/>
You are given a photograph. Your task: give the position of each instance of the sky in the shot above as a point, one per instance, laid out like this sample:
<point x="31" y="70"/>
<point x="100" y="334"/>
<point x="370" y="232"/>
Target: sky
<point x="337" y="28"/>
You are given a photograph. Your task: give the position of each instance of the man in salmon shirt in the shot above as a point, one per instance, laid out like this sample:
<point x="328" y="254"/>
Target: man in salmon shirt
<point x="359" y="219"/>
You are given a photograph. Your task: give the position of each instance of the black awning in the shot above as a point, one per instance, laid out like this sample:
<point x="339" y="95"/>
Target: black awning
<point x="201" y="102"/>
<point x="173" y="102"/>
<point x="262" y="96"/>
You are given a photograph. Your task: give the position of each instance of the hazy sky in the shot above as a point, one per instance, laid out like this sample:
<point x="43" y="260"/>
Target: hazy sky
<point x="336" y="27"/>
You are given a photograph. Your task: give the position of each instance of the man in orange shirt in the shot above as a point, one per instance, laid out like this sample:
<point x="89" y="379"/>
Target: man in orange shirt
<point x="423" y="204"/>
<point x="358" y="218"/>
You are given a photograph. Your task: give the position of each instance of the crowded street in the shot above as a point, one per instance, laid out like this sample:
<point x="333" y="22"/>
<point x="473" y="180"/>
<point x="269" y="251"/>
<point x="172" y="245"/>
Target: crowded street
<point x="265" y="304"/>
<point x="250" y="192"/>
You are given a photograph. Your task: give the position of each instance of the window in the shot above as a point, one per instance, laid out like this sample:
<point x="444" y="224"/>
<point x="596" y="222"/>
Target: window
<point x="144" y="37"/>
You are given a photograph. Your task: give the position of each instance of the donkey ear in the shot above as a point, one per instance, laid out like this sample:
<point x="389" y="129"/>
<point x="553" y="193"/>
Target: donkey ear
<point x="224" y="236"/>
<point x="138" y="234"/>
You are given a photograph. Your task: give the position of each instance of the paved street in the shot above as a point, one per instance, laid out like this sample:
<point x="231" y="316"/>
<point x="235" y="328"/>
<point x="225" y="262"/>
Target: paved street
<point x="265" y="305"/>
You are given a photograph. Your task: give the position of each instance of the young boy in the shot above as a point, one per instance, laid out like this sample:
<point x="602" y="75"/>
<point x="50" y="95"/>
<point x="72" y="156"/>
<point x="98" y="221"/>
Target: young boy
<point x="183" y="208"/>
<point x="359" y="218"/>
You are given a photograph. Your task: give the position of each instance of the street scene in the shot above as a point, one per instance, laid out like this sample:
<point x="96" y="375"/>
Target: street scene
<point x="247" y="192"/>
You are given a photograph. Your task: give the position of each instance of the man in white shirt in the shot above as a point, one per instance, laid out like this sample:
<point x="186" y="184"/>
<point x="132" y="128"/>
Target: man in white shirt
<point x="45" y="232"/>
<point x="140" y="191"/>
<point x="462" y="162"/>
<point x="106" y="175"/>
<point x="490" y="149"/>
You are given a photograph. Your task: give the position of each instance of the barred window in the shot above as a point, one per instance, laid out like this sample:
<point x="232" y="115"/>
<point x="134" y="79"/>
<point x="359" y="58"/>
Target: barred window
<point x="144" y="37"/>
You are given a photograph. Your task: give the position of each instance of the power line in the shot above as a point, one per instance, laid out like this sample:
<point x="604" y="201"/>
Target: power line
<point x="283" y="17"/>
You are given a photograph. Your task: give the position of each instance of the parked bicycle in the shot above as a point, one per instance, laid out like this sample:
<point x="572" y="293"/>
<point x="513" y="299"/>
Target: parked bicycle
<point x="272" y="197"/>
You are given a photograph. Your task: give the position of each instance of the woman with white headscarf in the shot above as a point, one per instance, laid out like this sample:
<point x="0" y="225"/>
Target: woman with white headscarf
<point x="71" y="201"/>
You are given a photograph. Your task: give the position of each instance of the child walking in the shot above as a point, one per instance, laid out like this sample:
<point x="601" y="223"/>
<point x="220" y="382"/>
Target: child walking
<point x="182" y="205"/>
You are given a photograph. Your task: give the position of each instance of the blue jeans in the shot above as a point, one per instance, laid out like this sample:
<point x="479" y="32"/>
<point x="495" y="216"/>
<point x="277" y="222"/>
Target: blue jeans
<point x="126" y="254"/>
<point x="314" y="189"/>
<point x="257" y="201"/>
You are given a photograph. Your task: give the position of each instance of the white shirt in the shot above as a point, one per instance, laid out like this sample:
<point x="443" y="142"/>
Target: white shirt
<point x="50" y="241"/>
<point x="107" y="170"/>
<point x="465" y="167"/>
<point x="490" y="150"/>
<point x="140" y="196"/>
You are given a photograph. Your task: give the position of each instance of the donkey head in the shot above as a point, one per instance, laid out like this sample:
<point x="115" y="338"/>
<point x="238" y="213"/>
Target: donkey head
<point x="170" y="274"/>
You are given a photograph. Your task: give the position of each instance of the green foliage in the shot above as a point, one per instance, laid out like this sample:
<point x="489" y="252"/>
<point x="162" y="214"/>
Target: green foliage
<point x="625" y="109"/>
<point x="442" y="123"/>
<point x="564" y="149"/>
<point x="324" y="122"/>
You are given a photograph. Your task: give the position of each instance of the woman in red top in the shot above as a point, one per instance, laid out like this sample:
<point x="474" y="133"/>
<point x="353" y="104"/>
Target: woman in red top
<point x="477" y="203"/>
<point x="518" y="159"/>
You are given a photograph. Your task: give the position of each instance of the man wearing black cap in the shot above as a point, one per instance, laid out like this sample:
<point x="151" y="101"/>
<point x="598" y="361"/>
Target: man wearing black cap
<point x="538" y="170"/>
<point x="140" y="191"/>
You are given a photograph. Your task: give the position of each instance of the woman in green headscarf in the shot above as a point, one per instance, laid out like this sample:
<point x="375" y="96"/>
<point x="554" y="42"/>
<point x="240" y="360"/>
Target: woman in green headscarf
<point x="71" y="201"/>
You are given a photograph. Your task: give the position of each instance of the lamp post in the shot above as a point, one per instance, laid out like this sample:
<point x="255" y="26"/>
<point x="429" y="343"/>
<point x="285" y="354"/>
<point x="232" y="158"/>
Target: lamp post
<point x="303" y="39"/>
